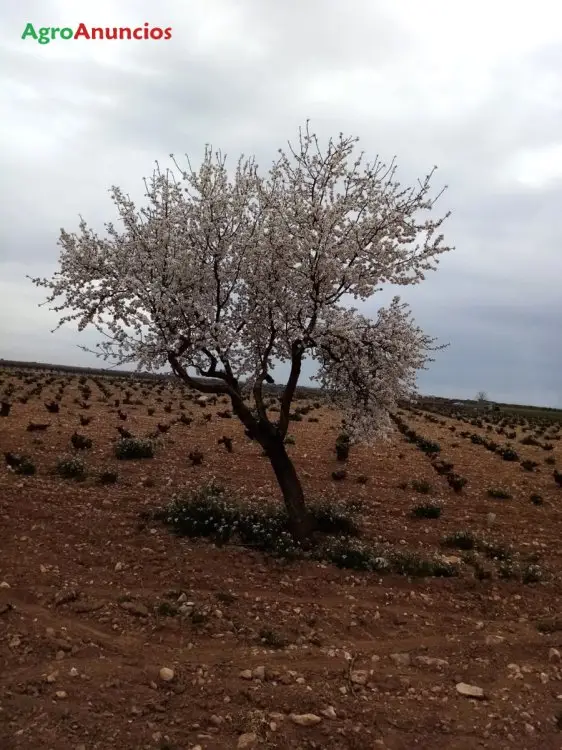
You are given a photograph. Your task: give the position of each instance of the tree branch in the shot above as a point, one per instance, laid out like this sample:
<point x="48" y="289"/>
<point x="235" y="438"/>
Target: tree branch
<point x="289" y="392"/>
<point x="263" y="375"/>
<point x="179" y="370"/>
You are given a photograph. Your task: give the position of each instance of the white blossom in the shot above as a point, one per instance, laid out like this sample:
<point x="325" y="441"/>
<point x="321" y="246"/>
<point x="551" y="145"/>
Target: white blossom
<point x="226" y="275"/>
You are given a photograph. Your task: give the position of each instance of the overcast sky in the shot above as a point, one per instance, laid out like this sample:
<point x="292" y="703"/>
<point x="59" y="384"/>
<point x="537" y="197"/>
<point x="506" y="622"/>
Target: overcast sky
<point x="475" y="88"/>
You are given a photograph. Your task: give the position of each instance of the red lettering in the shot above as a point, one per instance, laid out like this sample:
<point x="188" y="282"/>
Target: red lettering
<point x="82" y="31"/>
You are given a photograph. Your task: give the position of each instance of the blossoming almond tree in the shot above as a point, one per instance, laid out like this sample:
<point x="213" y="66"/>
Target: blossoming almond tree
<point x="224" y="276"/>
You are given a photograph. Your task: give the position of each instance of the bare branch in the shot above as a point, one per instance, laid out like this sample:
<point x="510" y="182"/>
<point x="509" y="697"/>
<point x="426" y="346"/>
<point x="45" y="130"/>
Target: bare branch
<point x="181" y="372"/>
<point x="297" y="352"/>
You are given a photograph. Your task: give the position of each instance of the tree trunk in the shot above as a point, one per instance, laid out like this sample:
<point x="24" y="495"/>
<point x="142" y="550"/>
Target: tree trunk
<point x="271" y="440"/>
<point x="301" y="522"/>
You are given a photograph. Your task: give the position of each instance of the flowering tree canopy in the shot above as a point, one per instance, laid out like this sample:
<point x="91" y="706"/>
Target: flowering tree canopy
<point x="225" y="275"/>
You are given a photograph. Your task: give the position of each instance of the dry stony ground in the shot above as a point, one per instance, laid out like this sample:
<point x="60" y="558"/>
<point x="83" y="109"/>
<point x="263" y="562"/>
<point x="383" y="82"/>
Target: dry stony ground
<point x="98" y="610"/>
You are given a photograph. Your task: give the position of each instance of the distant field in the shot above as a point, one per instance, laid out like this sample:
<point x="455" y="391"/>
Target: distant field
<point x="526" y="411"/>
<point x="533" y="412"/>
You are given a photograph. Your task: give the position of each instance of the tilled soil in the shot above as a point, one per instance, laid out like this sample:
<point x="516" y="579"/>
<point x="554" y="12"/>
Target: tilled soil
<point x="95" y="602"/>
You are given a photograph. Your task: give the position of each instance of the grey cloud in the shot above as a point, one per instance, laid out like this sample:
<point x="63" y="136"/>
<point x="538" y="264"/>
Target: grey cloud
<point x="78" y="121"/>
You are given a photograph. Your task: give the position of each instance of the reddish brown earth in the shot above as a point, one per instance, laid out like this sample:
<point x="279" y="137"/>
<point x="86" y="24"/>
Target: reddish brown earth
<point x="84" y="632"/>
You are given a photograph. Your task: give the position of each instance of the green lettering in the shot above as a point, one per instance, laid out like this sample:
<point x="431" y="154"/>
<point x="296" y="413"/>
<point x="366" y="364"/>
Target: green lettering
<point x="29" y="31"/>
<point x="44" y="33"/>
